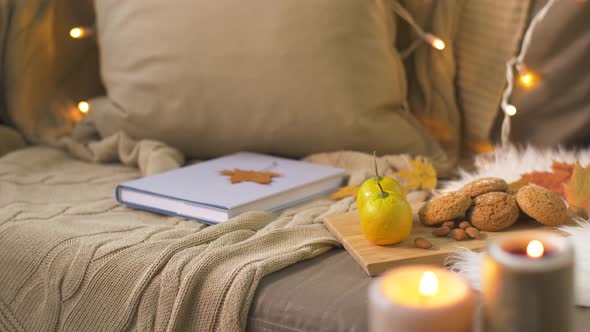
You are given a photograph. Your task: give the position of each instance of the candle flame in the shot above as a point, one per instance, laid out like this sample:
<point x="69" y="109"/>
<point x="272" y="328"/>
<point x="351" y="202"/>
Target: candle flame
<point x="535" y="249"/>
<point x="428" y="284"/>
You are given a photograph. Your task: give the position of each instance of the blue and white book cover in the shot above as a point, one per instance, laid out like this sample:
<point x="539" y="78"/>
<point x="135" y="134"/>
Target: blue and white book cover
<point x="204" y="185"/>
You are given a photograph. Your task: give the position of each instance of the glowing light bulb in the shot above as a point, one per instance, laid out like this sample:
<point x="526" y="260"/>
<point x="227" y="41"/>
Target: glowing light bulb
<point x="438" y="44"/>
<point x="84" y="107"/>
<point x="535" y="249"/>
<point x="77" y="32"/>
<point x="434" y="41"/>
<point x="81" y="32"/>
<point x="510" y="110"/>
<point x="428" y="284"/>
<point x="527" y="79"/>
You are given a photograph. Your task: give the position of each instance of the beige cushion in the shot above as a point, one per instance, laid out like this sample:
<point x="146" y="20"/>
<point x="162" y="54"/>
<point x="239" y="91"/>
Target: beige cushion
<point x="45" y="72"/>
<point x="289" y="77"/>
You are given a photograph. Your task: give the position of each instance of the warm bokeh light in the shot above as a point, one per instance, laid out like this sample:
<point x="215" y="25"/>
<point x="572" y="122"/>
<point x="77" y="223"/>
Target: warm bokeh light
<point x="438" y="44"/>
<point x="434" y="41"/>
<point x="510" y="110"/>
<point x="527" y="79"/>
<point x="428" y="284"/>
<point x="84" y="107"/>
<point x="77" y="32"/>
<point x="535" y="249"/>
<point x="81" y="32"/>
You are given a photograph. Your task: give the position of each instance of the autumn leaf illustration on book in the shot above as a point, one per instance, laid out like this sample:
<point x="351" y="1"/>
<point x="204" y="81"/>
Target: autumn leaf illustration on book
<point x="240" y="175"/>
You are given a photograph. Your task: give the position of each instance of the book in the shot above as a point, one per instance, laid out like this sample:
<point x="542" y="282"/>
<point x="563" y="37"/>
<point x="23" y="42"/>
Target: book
<point x="203" y="192"/>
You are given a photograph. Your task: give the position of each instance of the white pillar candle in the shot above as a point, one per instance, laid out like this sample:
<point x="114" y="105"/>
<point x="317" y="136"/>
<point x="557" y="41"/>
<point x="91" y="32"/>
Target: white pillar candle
<point x="528" y="283"/>
<point x="420" y="298"/>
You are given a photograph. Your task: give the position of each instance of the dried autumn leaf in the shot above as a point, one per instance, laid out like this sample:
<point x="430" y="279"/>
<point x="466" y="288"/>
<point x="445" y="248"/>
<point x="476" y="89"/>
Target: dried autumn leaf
<point x="421" y="175"/>
<point x="559" y="167"/>
<point x="554" y="180"/>
<point x="239" y="175"/>
<point x="577" y="189"/>
<point x="345" y="192"/>
<point x="550" y="180"/>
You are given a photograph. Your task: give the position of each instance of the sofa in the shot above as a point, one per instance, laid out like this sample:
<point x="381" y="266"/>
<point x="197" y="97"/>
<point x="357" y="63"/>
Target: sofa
<point x="170" y="83"/>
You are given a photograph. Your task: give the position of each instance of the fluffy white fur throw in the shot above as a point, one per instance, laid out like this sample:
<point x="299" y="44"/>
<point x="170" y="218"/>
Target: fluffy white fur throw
<point x="509" y="164"/>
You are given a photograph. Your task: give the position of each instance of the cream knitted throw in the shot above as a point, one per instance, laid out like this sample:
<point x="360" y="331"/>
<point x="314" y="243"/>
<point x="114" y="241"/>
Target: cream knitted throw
<point x="72" y="259"/>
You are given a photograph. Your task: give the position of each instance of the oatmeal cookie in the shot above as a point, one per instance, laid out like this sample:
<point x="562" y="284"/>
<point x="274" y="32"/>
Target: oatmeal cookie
<point x="542" y="205"/>
<point x="443" y="208"/>
<point x="484" y="186"/>
<point x="493" y="211"/>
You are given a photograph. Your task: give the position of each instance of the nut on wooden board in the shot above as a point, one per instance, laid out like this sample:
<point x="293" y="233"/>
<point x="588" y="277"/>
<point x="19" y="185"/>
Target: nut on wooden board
<point x="422" y="243"/>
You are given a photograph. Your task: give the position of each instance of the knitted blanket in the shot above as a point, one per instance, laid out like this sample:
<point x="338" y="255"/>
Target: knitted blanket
<point x="72" y="259"/>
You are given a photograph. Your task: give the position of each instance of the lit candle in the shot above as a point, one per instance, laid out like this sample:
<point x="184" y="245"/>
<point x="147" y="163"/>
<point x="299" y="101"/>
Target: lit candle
<point x="420" y="298"/>
<point x="528" y="283"/>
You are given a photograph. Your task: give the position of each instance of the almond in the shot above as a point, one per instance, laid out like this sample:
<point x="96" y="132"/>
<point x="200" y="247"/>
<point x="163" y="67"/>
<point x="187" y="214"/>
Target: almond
<point x="422" y="243"/>
<point x="458" y="234"/>
<point x="472" y="232"/>
<point x="464" y="225"/>
<point x="441" y="231"/>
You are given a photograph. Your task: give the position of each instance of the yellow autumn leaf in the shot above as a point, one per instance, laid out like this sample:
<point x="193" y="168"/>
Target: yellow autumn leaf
<point x="577" y="190"/>
<point x="421" y="175"/>
<point x="345" y="192"/>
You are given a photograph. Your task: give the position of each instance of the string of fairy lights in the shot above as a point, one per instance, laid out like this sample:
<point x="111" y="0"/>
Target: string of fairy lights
<point x="81" y="33"/>
<point x="427" y="37"/>
<point x="526" y="77"/>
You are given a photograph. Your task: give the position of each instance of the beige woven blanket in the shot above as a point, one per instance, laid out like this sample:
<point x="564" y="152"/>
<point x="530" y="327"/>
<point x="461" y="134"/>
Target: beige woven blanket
<point x="72" y="259"/>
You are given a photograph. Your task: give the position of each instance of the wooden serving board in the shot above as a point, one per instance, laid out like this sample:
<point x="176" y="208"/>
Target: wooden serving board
<point x="376" y="259"/>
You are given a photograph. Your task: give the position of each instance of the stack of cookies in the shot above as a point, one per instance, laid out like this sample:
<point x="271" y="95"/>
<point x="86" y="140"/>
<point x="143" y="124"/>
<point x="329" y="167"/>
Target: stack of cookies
<point x="487" y="205"/>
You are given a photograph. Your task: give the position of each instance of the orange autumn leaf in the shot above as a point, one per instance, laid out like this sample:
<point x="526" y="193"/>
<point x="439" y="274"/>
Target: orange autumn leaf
<point x="239" y="175"/>
<point x="559" y="167"/>
<point x="548" y="180"/>
<point x="577" y="189"/>
<point x="554" y="180"/>
<point x="345" y="192"/>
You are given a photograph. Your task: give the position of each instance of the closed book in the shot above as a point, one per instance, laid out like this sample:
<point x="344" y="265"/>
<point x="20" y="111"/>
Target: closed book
<point x="205" y="192"/>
